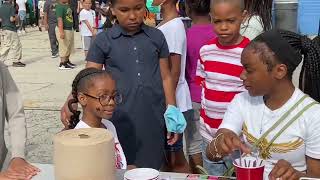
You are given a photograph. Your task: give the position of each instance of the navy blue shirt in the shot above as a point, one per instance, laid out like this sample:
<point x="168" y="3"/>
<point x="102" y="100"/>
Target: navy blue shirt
<point x="134" y="63"/>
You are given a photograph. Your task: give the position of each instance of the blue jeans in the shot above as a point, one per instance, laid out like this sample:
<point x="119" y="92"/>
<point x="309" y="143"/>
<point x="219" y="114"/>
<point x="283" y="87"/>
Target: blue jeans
<point x="215" y="168"/>
<point x="22" y="16"/>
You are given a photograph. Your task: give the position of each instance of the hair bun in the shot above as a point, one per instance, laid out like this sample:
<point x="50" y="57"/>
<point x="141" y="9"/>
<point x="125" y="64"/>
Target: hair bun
<point x="306" y="44"/>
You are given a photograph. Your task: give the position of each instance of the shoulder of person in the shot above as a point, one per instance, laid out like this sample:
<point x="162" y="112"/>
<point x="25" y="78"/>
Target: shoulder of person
<point x="155" y="32"/>
<point x="246" y="100"/>
<point x="58" y="5"/>
<point x="109" y="125"/>
<point x="314" y="111"/>
<point x="246" y="41"/>
<point x="254" y="22"/>
<point x="255" y="19"/>
<point x="83" y="12"/>
<point x="176" y="24"/>
<point x="207" y="45"/>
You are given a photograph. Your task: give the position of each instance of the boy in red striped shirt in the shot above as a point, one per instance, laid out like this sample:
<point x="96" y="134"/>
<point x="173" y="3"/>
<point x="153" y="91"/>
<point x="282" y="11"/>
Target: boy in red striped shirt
<point x="219" y="70"/>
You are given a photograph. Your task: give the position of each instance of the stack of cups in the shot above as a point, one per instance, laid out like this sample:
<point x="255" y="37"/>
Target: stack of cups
<point x="142" y="174"/>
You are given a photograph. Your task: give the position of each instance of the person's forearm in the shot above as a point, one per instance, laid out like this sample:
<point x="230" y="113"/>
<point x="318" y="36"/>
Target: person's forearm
<point x="14" y="115"/>
<point x="175" y="60"/>
<point x="89" y="26"/>
<point x="18" y="134"/>
<point x="45" y="19"/>
<point x="167" y="82"/>
<point x="169" y="91"/>
<point x="210" y="151"/>
<point x="60" y="25"/>
<point x="175" y="79"/>
<point x="309" y="175"/>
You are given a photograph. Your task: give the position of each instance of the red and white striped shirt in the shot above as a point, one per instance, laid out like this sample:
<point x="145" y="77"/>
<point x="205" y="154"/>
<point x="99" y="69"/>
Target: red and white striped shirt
<point x="218" y="73"/>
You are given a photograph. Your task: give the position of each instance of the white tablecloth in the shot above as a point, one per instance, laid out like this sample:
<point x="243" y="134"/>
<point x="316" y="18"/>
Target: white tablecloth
<point x="47" y="173"/>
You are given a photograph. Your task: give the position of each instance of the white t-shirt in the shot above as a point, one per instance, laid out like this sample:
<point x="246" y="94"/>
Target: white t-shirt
<point x="21" y="4"/>
<point x="88" y="15"/>
<point x="121" y="162"/>
<point x="252" y="27"/>
<point x="300" y="139"/>
<point x="175" y="34"/>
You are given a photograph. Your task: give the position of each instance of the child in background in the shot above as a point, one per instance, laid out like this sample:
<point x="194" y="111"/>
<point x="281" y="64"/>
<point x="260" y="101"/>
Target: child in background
<point x="41" y="14"/>
<point x="11" y="48"/>
<point x="64" y="33"/>
<point x="174" y="31"/>
<point x="219" y="70"/>
<point x="87" y="20"/>
<point x="50" y="23"/>
<point x="258" y="18"/>
<point x="96" y="91"/>
<point x="22" y="15"/>
<point x="198" y="34"/>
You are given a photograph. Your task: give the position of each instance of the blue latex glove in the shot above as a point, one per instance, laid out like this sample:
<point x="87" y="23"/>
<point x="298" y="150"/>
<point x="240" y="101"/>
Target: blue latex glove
<point x="175" y="121"/>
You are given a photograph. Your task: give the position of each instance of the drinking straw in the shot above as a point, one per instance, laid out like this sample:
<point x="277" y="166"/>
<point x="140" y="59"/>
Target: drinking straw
<point x="240" y="159"/>
<point x="255" y="163"/>
<point x="260" y="162"/>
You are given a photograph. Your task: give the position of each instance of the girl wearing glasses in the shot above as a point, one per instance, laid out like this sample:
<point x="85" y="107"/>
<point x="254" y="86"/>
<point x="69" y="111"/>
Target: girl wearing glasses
<point x="96" y="91"/>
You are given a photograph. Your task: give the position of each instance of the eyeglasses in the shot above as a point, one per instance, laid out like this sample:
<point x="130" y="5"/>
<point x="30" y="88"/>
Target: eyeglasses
<point x="105" y="99"/>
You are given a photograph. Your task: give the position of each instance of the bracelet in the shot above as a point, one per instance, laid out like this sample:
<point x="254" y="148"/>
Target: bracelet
<point x="216" y="155"/>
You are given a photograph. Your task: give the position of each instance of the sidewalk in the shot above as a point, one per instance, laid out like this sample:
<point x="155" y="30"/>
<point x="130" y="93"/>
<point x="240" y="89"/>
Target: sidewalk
<point x="44" y="88"/>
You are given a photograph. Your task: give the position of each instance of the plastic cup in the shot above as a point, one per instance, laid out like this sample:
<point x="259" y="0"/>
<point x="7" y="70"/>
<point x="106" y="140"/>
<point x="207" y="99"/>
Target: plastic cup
<point x="142" y="174"/>
<point x="249" y="171"/>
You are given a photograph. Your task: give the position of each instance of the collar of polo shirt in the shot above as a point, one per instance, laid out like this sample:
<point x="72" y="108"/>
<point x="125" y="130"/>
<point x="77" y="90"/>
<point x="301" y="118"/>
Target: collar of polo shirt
<point x="117" y="31"/>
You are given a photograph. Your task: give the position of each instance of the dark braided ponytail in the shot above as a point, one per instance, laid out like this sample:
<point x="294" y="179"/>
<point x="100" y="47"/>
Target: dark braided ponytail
<point x="309" y="51"/>
<point x="80" y="84"/>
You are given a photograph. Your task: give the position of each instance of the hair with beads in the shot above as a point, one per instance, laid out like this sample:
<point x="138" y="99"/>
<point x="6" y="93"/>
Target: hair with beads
<point x="307" y="51"/>
<point x="81" y="83"/>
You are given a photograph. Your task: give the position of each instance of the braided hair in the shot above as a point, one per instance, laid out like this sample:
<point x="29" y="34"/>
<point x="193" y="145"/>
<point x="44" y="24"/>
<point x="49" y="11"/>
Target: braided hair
<point x="309" y="80"/>
<point x="81" y="83"/>
<point x="262" y="9"/>
<point x="306" y="49"/>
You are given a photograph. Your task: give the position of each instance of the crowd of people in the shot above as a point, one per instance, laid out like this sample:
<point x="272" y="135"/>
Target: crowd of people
<point x="224" y="85"/>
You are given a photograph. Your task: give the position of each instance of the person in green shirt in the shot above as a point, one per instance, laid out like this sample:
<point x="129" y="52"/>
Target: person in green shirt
<point x="11" y="48"/>
<point x="65" y="34"/>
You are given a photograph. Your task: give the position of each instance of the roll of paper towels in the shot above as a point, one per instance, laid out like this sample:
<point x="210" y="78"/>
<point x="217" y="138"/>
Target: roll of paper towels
<point x="84" y="154"/>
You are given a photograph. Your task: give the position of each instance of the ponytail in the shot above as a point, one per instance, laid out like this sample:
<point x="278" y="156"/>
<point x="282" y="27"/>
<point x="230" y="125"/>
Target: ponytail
<point x="309" y="50"/>
<point x="309" y="80"/>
